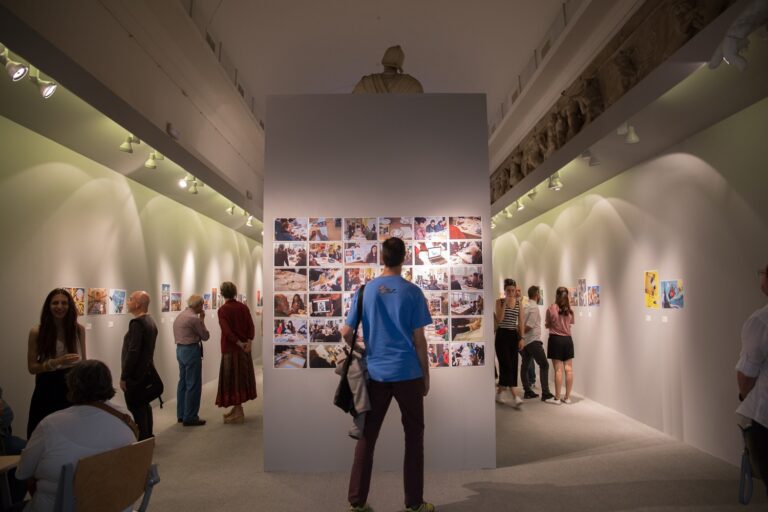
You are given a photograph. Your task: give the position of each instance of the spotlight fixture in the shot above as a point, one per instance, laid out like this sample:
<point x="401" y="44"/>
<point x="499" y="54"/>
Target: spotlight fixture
<point x="185" y="181"/>
<point x="554" y="182"/>
<point x="193" y="187"/>
<point x="623" y="129"/>
<point x="16" y="70"/>
<point x="532" y="194"/>
<point x="231" y="209"/>
<point x="249" y="222"/>
<point x="126" y="145"/>
<point x="493" y="225"/>
<point x="508" y="212"/>
<point x="590" y="158"/>
<point x="632" y="136"/>
<point x="520" y="206"/>
<point x="150" y="163"/>
<point x="46" y="87"/>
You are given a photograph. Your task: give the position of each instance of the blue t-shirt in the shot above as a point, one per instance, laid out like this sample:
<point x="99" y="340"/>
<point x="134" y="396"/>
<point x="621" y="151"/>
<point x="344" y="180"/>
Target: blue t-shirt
<point x="392" y="309"/>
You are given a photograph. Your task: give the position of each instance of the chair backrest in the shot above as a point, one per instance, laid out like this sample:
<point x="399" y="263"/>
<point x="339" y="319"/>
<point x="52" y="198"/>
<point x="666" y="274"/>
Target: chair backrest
<point x="113" y="480"/>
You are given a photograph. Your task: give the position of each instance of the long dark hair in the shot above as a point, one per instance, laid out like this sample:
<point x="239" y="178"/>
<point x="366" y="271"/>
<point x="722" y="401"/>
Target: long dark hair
<point x="563" y="301"/>
<point x="46" y="338"/>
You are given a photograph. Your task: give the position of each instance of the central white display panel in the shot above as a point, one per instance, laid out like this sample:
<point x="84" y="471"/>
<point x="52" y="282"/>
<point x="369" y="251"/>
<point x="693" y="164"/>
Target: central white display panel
<point x="372" y="156"/>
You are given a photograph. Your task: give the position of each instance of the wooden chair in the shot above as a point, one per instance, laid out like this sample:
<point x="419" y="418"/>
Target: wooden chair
<point x="109" y="481"/>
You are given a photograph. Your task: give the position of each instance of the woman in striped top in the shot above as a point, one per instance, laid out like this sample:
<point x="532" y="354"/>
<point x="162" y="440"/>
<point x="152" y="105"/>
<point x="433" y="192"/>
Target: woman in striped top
<point x="509" y="340"/>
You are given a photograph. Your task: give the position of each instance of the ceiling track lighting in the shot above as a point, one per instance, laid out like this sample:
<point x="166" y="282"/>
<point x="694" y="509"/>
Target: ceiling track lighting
<point x="508" y="212"/>
<point x="519" y="206"/>
<point x="249" y="222"/>
<point x="632" y="136"/>
<point x="554" y="182"/>
<point x="532" y="194"/>
<point x="623" y="129"/>
<point x="151" y="162"/>
<point x="493" y="225"/>
<point x="126" y="146"/>
<point x="231" y="209"/>
<point x="46" y="87"/>
<point x="590" y="158"/>
<point x="15" y="70"/>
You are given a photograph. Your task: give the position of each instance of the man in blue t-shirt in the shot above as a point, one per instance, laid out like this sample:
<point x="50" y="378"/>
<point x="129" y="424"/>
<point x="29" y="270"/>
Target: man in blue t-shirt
<point x="395" y="313"/>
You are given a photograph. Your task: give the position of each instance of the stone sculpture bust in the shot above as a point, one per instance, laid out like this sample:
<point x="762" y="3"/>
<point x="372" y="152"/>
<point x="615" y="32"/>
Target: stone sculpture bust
<point x="392" y="80"/>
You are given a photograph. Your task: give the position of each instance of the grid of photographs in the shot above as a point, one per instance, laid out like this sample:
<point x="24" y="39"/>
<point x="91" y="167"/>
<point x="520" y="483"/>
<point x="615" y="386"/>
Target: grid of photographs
<point x="320" y="262"/>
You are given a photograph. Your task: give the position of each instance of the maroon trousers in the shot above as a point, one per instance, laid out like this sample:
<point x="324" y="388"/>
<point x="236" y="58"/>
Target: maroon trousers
<point x="409" y="395"/>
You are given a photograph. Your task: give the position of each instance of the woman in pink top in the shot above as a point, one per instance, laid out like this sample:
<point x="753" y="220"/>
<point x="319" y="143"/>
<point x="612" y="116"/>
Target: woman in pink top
<point x="560" y="345"/>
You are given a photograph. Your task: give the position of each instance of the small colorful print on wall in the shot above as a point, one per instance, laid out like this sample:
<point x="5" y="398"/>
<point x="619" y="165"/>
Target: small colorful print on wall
<point x="673" y="294"/>
<point x="116" y="301"/>
<point x="651" y="289"/>
<point x="78" y="295"/>
<point x="97" y="301"/>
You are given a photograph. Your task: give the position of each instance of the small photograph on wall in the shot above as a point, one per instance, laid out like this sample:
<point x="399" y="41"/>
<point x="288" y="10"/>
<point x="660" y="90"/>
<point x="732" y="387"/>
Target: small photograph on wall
<point x="573" y="297"/>
<point x="78" y="295"/>
<point x="438" y="355"/>
<point x="291" y="254"/>
<point x="328" y="355"/>
<point x="322" y="229"/>
<point x="325" y="304"/>
<point x="116" y="301"/>
<point x="290" y="356"/>
<point x="206" y="301"/>
<point x="467" y="354"/>
<point x="326" y="254"/>
<point x="259" y="299"/>
<point x="326" y="279"/>
<point x="673" y="294"/>
<point x="652" y="291"/>
<point x="437" y="302"/>
<point x="581" y="285"/>
<point x="354" y="278"/>
<point x="175" y="301"/>
<point x="466" y="253"/>
<point x="399" y="227"/>
<point x="468" y="278"/>
<point x="215" y="298"/>
<point x="290" y="229"/>
<point x="360" y="228"/>
<point x="430" y="253"/>
<point x="97" y="301"/>
<point x="291" y="280"/>
<point x="165" y="297"/>
<point x="361" y="253"/>
<point x="290" y="304"/>
<point x="437" y="331"/>
<point x="466" y="228"/>
<point x="407" y="260"/>
<point x="593" y="296"/>
<point x="430" y="228"/>
<point x="431" y="278"/>
<point x="325" y="330"/>
<point x="347" y="300"/>
<point x="467" y="329"/>
<point x="540" y="302"/>
<point x="293" y="330"/>
<point x="466" y="303"/>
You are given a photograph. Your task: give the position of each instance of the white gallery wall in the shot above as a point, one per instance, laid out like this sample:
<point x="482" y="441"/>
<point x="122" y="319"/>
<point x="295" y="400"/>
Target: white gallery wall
<point x="68" y="221"/>
<point x="697" y="212"/>
<point x="375" y="156"/>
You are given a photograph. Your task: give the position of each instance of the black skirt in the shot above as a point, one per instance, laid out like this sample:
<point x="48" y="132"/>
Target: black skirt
<point x="560" y="348"/>
<point x="50" y="395"/>
<point x="506" y="352"/>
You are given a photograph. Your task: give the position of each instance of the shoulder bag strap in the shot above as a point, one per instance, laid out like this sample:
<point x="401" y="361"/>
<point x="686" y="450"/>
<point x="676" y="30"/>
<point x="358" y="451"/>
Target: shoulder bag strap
<point x="125" y="418"/>
<point x="348" y="360"/>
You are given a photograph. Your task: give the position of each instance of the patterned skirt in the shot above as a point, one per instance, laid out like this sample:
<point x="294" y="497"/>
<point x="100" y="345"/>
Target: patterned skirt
<point x="237" y="381"/>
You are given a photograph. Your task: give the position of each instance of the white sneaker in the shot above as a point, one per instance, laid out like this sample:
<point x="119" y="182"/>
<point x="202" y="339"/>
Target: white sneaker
<point x="517" y="401"/>
<point x="552" y="400"/>
<point x="567" y="401"/>
<point x="500" y="398"/>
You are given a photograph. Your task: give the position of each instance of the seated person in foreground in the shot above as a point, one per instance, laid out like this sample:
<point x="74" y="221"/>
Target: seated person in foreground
<point x="85" y="429"/>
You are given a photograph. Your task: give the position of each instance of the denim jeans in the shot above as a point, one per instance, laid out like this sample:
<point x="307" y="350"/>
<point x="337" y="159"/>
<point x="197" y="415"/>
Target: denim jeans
<point x="190" y="381"/>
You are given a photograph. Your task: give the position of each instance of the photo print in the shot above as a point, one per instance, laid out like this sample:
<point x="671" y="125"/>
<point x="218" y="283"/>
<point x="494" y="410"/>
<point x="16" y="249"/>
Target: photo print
<point x="593" y="295"/>
<point x="437" y="302"/>
<point x="326" y="279"/>
<point x="354" y="278"/>
<point x="165" y="298"/>
<point x="581" y="287"/>
<point x="438" y="355"/>
<point x="541" y="297"/>
<point x="398" y="227"/>
<point x="467" y="329"/>
<point x="430" y="228"/>
<point x="291" y="254"/>
<point x="327" y="356"/>
<point x="466" y="303"/>
<point x="652" y="291"/>
<point x="290" y="280"/>
<point x="290" y="304"/>
<point x="360" y="228"/>
<point x="430" y="253"/>
<point x="78" y="295"/>
<point x="466" y="253"/>
<point x="290" y="229"/>
<point x="347" y="303"/>
<point x="206" y="301"/>
<point x="259" y="299"/>
<point x="215" y="298"/>
<point x="407" y="260"/>
<point x="437" y="331"/>
<point x="116" y="301"/>
<point x="175" y="301"/>
<point x="468" y="278"/>
<point x="326" y="254"/>
<point x="573" y="297"/>
<point x="673" y="296"/>
<point x="361" y="253"/>
<point x="430" y="278"/>
<point x="466" y="228"/>
<point x="324" y="330"/>
<point x="467" y="354"/>
<point x="293" y="330"/>
<point x="97" y="301"/>
<point x="322" y="229"/>
<point x="290" y="356"/>
<point x="325" y="304"/>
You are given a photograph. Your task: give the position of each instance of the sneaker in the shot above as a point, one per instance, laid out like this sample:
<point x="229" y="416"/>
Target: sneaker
<point x="500" y="398"/>
<point x="424" y="507"/>
<point x="516" y="401"/>
<point x="550" y="399"/>
<point x="567" y="401"/>
<point x="364" y="508"/>
<point x="530" y="394"/>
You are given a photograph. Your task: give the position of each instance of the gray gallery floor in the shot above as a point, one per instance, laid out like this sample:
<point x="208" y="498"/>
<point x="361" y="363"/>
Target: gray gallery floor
<point x="578" y="458"/>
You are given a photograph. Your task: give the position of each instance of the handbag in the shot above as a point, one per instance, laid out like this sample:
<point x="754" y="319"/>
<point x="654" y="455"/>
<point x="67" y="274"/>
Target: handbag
<point x="148" y="388"/>
<point x="749" y="466"/>
<point x="343" y="397"/>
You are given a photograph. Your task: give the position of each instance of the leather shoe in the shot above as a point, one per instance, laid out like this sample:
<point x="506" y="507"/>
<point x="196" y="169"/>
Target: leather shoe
<point x="194" y="423"/>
